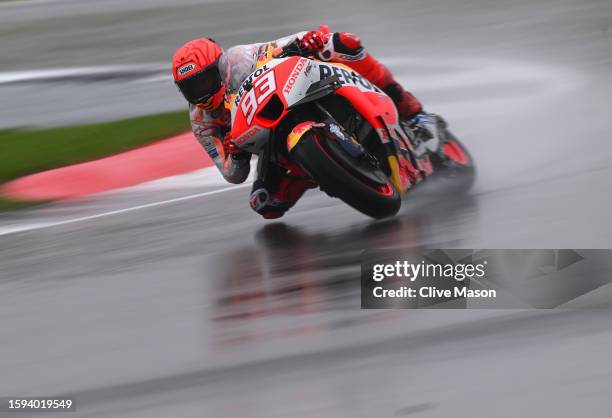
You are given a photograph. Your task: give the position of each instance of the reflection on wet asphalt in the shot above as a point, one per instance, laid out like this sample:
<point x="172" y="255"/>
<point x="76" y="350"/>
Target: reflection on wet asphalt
<point x="289" y="270"/>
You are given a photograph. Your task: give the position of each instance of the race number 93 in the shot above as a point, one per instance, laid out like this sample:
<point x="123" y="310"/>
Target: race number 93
<point x="263" y="87"/>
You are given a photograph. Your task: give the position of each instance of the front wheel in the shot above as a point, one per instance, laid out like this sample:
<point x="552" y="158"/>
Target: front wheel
<point x="354" y="180"/>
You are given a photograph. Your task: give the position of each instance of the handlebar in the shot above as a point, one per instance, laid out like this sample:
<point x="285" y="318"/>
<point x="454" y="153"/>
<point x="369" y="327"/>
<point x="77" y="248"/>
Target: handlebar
<point x="293" y="49"/>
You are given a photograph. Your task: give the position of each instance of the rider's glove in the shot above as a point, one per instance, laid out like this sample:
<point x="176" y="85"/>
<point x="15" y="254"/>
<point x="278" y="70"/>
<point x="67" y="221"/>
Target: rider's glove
<point x="232" y="150"/>
<point x="312" y="41"/>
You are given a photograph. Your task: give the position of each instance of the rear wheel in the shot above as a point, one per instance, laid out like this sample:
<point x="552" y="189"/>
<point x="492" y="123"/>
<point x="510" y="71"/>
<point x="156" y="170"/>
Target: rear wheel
<point x="457" y="169"/>
<point x="355" y="180"/>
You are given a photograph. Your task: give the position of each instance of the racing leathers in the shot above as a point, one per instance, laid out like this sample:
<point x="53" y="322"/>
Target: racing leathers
<point x="279" y="191"/>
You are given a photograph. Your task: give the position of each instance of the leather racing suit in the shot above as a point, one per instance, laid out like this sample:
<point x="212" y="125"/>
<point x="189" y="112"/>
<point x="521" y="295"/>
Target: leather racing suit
<point x="279" y="192"/>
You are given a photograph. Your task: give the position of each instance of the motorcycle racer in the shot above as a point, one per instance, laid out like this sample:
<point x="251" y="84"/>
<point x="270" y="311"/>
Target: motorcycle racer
<point x="206" y="75"/>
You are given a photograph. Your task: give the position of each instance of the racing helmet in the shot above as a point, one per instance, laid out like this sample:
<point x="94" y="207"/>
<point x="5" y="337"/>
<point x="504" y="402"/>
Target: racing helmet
<point x="195" y="68"/>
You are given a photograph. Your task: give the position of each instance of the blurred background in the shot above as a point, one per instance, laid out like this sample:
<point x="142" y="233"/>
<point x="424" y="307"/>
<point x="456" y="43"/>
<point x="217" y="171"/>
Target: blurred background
<point x="173" y="297"/>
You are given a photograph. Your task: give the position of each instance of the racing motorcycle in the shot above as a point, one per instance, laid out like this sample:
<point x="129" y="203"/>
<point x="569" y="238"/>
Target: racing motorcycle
<point x="323" y="121"/>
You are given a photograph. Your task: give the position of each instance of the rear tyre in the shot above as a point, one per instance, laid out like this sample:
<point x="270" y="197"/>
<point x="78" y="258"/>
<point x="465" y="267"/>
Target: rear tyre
<point x="358" y="183"/>
<point x="457" y="170"/>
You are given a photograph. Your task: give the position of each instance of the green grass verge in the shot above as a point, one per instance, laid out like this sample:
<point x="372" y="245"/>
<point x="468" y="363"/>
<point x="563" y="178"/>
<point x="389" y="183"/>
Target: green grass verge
<point x="10" y="204"/>
<point x="30" y="151"/>
<point x="26" y="152"/>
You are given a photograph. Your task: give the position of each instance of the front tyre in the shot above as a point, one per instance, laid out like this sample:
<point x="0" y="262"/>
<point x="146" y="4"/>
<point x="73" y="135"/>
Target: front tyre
<point x="355" y="181"/>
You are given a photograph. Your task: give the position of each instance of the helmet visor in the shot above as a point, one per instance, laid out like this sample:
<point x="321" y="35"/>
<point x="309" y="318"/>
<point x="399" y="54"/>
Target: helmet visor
<point x="202" y="85"/>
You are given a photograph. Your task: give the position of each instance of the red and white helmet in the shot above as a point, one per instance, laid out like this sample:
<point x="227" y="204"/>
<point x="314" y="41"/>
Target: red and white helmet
<point x="195" y="68"/>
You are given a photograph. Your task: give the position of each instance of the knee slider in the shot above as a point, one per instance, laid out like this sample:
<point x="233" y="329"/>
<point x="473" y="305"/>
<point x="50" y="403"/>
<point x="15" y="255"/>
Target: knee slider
<point x="268" y="207"/>
<point x="259" y="199"/>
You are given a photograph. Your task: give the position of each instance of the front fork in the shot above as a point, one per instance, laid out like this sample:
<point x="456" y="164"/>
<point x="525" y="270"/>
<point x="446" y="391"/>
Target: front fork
<point x="407" y="167"/>
<point x="400" y="182"/>
<point x="415" y="152"/>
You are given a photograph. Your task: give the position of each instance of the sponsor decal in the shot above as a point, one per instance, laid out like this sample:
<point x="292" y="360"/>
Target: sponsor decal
<point x="261" y="52"/>
<point x="248" y="82"/>
<point x="187" y="68"/>
<point x="297" y="132"/>
<point x="308" y="68"/>
<point x="247" y="135"/>
<point x="264" y="54"/>
<point x="335" y="129"/>
<point x="357" y="57"/>
<point x="211" y="148"/>
<point x="294" y="75"/>
<point x="303" y="127"/>
<point x="347" y="77"/>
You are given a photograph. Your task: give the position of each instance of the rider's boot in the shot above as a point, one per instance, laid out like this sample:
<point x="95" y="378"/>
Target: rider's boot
<point x="428" y="127"/>
<point x="430" y="130"/>
<point x="272" y="201"/>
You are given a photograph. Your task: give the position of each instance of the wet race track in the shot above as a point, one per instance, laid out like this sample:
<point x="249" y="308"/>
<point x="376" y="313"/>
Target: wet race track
<point x="173" y="298"/>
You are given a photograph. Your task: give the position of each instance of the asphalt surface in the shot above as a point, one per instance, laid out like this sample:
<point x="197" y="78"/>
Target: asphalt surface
<point x="166" y="300"/>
